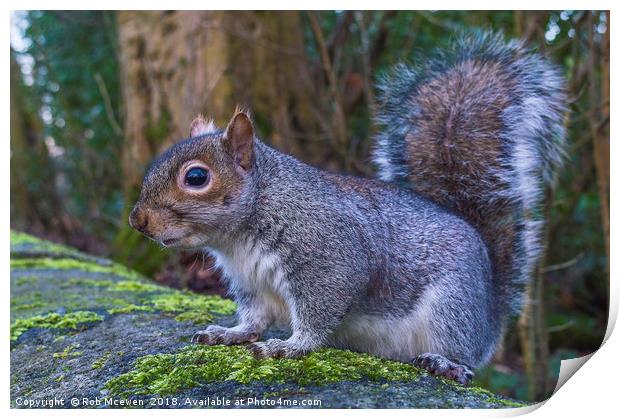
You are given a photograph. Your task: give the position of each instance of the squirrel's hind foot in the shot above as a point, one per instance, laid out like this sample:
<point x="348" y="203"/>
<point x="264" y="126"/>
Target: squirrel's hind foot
<point x="218" y="335"/>
<point x="276" y="348"/>
<point x="441" y="366"/>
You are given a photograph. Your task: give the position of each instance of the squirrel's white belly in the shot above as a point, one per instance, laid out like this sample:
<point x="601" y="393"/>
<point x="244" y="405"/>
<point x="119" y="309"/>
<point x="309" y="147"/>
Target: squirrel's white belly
<point x="250" y="269"/>
<point x="394" y="337"/>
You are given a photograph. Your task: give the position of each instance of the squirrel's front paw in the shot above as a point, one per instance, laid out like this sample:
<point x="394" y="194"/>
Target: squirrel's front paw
<point x="218" y="335"/>
<point x="441" y="366"/>
<point x="276" y="348"/>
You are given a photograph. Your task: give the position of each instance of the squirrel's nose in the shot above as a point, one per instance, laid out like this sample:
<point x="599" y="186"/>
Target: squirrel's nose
<point x="138" y="219"/>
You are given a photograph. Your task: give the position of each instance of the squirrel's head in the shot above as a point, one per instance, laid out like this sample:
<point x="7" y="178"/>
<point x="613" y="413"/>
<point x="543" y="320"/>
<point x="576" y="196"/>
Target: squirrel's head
<point x="197" y="188"/>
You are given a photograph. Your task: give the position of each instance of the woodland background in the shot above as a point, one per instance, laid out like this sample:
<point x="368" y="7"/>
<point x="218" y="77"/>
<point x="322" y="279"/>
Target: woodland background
<point x="96" y="95"/>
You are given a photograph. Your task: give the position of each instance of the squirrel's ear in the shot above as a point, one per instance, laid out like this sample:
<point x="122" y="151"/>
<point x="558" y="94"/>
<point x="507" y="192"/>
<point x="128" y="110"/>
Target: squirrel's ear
<point x="201" y="126"/>
<point x="240" y="139"/>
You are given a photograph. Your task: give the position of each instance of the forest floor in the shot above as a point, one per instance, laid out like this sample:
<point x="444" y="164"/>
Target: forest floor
<point x="94" y="334"/>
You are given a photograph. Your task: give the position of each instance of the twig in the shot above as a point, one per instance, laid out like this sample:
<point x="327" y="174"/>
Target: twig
<point x="446" y="25"/>
<point x="561" y="327"/>
<point x="366" y="66"/>
<point x="412" y="34"/>
<point x="339" y="118"/>
<point x="381" y="38"/>
<point x="338" y="37"/>
<point x="563" y="265"/>
<point x="366" y="69"/>
<point x="107" y="103"/>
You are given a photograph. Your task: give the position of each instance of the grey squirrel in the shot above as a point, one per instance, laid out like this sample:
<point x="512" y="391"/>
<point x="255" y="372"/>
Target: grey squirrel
<point x="426" y="263"/>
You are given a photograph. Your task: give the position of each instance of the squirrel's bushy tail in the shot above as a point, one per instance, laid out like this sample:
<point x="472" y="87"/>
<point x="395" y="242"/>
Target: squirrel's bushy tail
<point x="479" y="130"/>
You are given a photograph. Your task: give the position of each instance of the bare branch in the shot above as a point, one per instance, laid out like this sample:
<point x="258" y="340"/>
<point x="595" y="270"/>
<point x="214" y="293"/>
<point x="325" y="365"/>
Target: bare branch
<point x="339" y="118"/>
<point x="107" y="103"/>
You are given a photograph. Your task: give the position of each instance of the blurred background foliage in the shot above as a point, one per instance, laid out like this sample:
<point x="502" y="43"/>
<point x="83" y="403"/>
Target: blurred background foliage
<point x="95" y="95"/>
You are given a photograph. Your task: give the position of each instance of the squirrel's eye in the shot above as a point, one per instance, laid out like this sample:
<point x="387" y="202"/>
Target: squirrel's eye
<point x="196" y="177"/>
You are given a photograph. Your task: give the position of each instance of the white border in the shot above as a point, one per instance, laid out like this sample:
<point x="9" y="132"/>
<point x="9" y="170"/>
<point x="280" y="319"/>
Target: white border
<point x="591" y="392"/>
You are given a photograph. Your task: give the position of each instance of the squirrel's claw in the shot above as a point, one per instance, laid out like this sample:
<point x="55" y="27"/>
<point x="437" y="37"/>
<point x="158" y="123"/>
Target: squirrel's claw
<point x="217" y="335"/>
<point x="204" y="338"/>
<point x="441" y="366"/>
<point x="258" y="350"/>
<point x="275" y="348"/>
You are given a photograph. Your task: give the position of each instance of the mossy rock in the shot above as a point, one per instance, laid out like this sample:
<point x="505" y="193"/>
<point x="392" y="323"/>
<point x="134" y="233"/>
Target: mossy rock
<point x="87" y="328"/>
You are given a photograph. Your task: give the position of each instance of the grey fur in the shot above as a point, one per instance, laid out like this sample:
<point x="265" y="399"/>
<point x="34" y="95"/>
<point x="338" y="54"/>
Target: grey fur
<point x="362" y="264"/>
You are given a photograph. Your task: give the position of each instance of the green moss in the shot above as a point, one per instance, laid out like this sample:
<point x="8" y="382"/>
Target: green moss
<point x="28" y="298"/>
<point x="186" y="305"/>
<point x="135" y="286"/>
<point x="18" y="237"/>
<point x="195" y="316"/>
<point x="129" y="308"/>
<point x="192" y="307"/>
<point x="69" y="352"/>
<point x="166" y="374"/>
<point x="125" y="296"/>
<point x="29" y="306"/>
<point x="490" y="397"/>
<point x="179" y="301"/>
<point x="68" y="263"/>
<point x="125" y="285"/>
<point x="100" y="362"/>
<point x="26" y="280"/>
<point x="53" y="321"/>
<point x="89" y="282"/>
